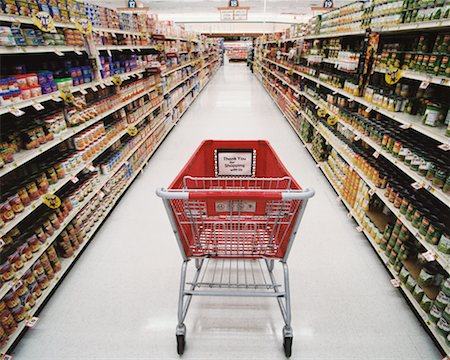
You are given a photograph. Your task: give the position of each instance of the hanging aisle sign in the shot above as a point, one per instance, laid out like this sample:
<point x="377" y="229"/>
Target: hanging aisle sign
<point x="328" y="4"/>
<point x="44" y="21"/>
<point x="233" y="12"/>
<point x="83" y="25"/>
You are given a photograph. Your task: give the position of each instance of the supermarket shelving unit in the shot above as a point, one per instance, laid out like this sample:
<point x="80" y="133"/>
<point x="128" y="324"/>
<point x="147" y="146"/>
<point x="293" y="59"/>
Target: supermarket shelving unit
<point x="161" y="115"/>
<point x="285" y="84"/>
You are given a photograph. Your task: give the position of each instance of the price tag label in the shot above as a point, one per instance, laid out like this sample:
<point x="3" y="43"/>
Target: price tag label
<point x="357" y="137"/>
<point x="371" y="192"/>
<point x="444" y="147"/>
<point x="78" y="52"/>
<point x="16" y="112"/>
<point x="405" y="126"/>
<point x="369" y="109"/>
<point x="94" y="88"/>
<point x="83" y="91"/>
<point x="101" y="194"/>
<point x="359" y="229"/>
<point x="2" y="243"/>
<point x="59" y="53"/>
<point x="113" y="35"/>
<point x="376" y="154"/>
<point x="417" y="185"/>
<point x="74" y="180"/>
<point x="102" y="85"/>
<point x="91" y="168"/>
<point x="51" y="200"/>
<point x="349" y="215"/>
<point x="17" y="285"/>
<point x="317" y="165"/>
<point x="31" y="322"/>
<point x="424" y="84"/>
<point x="38" y="106"/>
<point x="429" y="256"/>
<point x="109" y="52"/>
<point x="56" y="98"/>
<point x="395" y="283"/>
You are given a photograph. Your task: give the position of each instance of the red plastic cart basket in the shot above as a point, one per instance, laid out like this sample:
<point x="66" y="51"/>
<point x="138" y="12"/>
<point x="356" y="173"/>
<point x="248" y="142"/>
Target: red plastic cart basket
<point x="232" y="207"/>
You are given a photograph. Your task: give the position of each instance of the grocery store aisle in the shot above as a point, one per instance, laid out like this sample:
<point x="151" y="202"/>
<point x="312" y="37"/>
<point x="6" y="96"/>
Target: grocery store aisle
<point x="119" y="300"/>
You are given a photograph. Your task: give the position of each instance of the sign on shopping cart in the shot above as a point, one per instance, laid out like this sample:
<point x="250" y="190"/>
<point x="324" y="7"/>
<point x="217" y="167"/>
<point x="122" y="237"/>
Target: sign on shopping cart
<point x="235" y="162"/>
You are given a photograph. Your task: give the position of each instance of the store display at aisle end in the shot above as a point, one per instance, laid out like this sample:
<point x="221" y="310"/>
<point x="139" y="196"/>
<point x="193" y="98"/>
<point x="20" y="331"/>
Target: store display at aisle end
<point x="82" y="112"/>
<point x="372" y="109"/>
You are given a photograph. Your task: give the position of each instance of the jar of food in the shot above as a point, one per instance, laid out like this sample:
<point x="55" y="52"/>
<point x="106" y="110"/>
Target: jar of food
<point x="410" y="283"/>
<point x="418" y="293"/>
<point x="6" y="271"/>
<point x="36" y="290"/>
<point x="11" y="300"/>
<point x="25" y="251"/>
<point x="444" y="243"/>
<point x="24" y="197"/>
<point x="33" y="191"/>
<point x="417" y="218"/>
<point x="41" y="234"/>
<point x="38" y="269"/>
<point x="446" y="286"/>
<point x="404" y="234"/>
<point x="441" y="300"/>
<point x="404" y="273"/>
<point x="16" y="203"/>
<point x="426" y="303"/>
<point x="425" y="223"/>
<point x="6" y="211"/>
<point x="8" y="323"/>
<point x="443" y="326"/>
<point x="434" y="233"/>
<point x="16" y="261"/>
<point x="43" y="281"/>
<point x="427" y="275"/>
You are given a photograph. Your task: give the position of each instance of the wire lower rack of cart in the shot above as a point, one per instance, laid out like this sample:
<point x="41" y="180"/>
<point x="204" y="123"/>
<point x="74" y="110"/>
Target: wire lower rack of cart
<point x="235" y="209"/>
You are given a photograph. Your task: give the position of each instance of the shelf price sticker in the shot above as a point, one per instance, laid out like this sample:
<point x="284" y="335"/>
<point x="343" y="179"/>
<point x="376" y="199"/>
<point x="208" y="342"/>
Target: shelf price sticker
<point x="393" y="75"/>
<point x="424" y="84"/>
<point x="51" y="200"/>
<point x="44" y="21"/>
<point x="7" y="357"/>
<point x="83" y="91"/>
<point x="357" y="137"/>
<point x="417" y="185"/>
<point x="16" y="112"/>
<point x="74" y="179"/>
<point x="429" y="256"/>
<point x="376" y="154"/>
<point x="31" y="322"/>
<point x="395" y="283"/>
<point x="38" y="106"/>
<point x="445" y="147"/>
<point x="359" y="228"/>
<point x="405" y="126"/>
<point x="83" y="25"/>
<point x="132" y="131"/>
<point x="2" y="243"/>
<point x="117" y="79"/>
<point x="349" y="215"/>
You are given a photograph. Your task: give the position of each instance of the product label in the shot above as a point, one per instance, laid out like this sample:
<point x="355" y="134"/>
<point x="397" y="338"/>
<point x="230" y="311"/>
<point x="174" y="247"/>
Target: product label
<point x="235" y="163"/>
<point x="32" y="322"/>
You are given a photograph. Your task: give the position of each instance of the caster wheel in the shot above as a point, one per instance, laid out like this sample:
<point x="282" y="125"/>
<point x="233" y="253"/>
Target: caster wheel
<point x="287" y="344"/>
<point x="180" y="344"/>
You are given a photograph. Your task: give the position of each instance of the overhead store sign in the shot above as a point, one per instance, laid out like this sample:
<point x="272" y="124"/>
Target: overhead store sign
<point x="328" y="4"/>
<point x="233" y="13"/>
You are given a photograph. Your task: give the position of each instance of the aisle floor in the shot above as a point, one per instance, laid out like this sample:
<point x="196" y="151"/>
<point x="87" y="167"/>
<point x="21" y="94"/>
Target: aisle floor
<point x="120" y="299"/>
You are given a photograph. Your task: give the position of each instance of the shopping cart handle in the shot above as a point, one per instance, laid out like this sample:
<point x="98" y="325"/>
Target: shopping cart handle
<point x="298" y="195"/>
<point x="235" y="194"/>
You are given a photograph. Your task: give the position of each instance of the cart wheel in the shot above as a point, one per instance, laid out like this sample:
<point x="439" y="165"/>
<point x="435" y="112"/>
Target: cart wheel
<point x="180" y="344"/>
<point x="287" y="344"/>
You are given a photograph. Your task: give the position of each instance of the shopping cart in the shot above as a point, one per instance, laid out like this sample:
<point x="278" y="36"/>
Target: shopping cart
<point x="234" y="209"/>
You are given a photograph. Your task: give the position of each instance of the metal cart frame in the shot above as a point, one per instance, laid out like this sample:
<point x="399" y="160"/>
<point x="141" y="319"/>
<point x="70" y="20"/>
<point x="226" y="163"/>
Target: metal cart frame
<point x="235" y="228"/>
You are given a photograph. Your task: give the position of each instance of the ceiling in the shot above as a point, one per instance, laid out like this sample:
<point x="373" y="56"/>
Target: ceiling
<point x="276" y="7"/>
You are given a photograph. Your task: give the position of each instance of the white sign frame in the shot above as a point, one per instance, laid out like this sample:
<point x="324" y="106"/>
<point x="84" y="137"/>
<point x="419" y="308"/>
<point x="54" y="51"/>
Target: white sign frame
<point x="235" y="162"/>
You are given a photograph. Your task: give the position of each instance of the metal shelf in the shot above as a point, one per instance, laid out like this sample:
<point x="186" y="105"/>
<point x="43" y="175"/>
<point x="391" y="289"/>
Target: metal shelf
<point x="420" y="26"/>
<point x="25" y="156"/>
<point x="409" y="74"/>
<point x="420" y="312"/>
<point x="55" y="95"/>
<point x="54" y="188"/>
<point x="5" y="50"/>
<point x="412" y="121"/>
